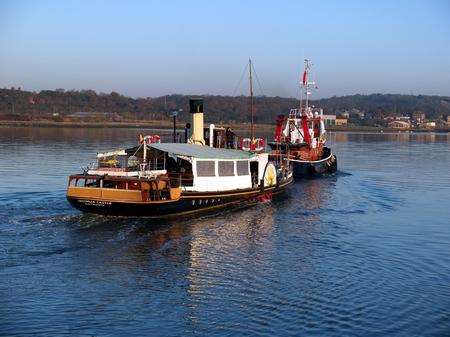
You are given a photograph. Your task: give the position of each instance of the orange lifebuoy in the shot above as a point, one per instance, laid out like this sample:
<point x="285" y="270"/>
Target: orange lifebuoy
<point x="155" y="139"/>
<point x="149" y="139"/>
<point x="256" y="145"/>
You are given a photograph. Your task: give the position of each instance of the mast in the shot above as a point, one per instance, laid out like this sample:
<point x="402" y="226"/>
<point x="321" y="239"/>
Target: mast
<point x="306" y="83"/>
<point x="252" y="127"/>
<point x="304" y="110"/>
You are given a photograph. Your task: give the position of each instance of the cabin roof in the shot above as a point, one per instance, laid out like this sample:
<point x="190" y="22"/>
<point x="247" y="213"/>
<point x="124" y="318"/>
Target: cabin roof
<point x="202" y="152"/>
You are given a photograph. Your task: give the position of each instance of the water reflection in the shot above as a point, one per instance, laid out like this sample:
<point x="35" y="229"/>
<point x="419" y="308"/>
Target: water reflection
<point x="418" y="137"/>
<point x="51" y="135"/>
<point x="198" y="244"/>
<point x="344" y="255"/>
<point x="124" y="135"/>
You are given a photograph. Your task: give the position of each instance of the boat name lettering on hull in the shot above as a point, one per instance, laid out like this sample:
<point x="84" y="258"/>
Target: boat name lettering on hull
<point x="96" y="203"/>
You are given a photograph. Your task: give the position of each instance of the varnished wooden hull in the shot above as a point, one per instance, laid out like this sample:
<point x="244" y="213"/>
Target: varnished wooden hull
<point x="190" y="203"/>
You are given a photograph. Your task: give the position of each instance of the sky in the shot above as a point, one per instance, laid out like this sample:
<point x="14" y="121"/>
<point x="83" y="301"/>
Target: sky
<point x="153" y="48"/>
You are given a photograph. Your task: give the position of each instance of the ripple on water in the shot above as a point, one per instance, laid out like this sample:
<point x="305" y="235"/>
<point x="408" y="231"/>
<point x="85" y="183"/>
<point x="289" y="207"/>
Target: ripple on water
<point x="363" y="253"/>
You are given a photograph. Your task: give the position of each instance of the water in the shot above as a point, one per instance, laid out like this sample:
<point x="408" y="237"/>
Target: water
<point x="363" y="253"/>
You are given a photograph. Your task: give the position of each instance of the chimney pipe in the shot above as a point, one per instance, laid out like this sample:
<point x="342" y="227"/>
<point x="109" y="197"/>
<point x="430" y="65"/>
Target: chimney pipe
<point x="196" y="109"/>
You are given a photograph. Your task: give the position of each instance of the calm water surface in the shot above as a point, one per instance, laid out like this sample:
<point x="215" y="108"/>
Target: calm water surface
<point x="363" y="253"/>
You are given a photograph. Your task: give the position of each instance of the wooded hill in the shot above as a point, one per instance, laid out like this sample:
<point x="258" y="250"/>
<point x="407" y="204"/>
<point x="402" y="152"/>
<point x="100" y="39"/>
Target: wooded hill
<point x="26" y="105"/>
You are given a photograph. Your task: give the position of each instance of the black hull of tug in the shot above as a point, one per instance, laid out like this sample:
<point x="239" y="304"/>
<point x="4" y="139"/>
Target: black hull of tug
<point x="309" y="169"/>
<point x="190" y="204"/>
<point x="305" y="169"/>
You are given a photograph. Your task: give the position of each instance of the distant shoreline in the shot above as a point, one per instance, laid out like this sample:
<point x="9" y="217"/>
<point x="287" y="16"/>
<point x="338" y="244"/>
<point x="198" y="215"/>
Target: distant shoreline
<point x="168" y="125"/>
<point x="125" y="125"/>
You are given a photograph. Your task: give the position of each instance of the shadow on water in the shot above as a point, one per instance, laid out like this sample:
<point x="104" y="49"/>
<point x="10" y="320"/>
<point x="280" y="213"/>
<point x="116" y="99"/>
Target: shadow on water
<point x="325" y="177"/>
<point x="340" y="173"/>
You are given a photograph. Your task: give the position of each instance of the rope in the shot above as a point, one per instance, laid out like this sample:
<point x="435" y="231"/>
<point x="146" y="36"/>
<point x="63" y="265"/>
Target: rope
<point x="257" y="80"/>
<point x="242" y="76"/>
<point x="134" y="154"/>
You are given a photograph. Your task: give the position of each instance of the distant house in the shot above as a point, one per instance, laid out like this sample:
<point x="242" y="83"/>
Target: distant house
<point x="80" y="114"/>
<point x="418" y="117"/>
<point x="334" y="120"/>
<point x="329" y="119"/>
<point x="341" y="121"/>
<point x="429" y="125"/>
<point x="87" y="114"/>
<point x="356" y="113"/>
<point x="399" y="124"/>
<point x="402" y="118"/>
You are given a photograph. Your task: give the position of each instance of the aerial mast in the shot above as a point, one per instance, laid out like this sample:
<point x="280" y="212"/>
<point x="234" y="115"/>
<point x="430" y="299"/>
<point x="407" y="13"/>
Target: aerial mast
<point x="252" y="127"/>
<point x="306" y="83"/>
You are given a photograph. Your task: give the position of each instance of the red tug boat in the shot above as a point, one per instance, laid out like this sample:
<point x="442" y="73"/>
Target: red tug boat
<point x="301" y="137"/>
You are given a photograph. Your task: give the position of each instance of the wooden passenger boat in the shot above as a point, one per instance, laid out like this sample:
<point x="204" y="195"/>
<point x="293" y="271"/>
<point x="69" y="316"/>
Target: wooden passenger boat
<point x="161" y="180"/>
<point x="301" y="137"/>
<point x="191" y="179"/>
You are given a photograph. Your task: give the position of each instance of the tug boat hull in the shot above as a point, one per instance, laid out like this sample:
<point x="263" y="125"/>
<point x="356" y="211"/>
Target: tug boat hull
<point x="307" y="168"/>
<point x="189" y="203"/>
<point x="304" y="169"/>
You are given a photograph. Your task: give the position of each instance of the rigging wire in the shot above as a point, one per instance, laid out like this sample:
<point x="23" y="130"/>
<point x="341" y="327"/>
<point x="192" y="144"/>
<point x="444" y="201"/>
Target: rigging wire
<point x="257" y="80"/>
<point x="242" y="76"/>
<point x="134" y="154"/>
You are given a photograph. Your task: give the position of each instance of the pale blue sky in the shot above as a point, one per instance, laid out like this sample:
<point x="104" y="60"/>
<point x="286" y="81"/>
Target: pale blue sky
<point x="152" y="48"/>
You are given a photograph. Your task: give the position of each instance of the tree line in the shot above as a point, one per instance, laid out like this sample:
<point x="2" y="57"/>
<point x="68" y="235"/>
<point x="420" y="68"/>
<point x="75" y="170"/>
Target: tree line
<point x="20" y="104"/>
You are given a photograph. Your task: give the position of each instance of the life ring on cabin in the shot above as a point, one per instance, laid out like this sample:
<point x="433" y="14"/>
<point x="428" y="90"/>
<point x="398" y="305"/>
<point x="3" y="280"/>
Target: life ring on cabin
<point x="257" y="145"/>
<point x="149" y="139"/>
<point x="270" y="175"/>
<point x="245" y="144"/>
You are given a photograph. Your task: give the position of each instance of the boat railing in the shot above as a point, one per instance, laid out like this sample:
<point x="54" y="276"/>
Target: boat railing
<point x="154" y="189"/>
<point x="294" y="113"/>
<point x="182" y="179"/>
<point x="152" y="166"/>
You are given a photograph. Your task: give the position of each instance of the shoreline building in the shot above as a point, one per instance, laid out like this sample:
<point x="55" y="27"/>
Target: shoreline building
<point x="329" y="119"/>
<point x="333" y="120"/>
<point x="399" y="124"/>
<point x="418" y="117"/>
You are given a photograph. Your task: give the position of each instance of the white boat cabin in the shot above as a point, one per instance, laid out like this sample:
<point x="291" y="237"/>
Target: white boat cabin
<point x="196" y="167"/>
<point x="213" y="169"/>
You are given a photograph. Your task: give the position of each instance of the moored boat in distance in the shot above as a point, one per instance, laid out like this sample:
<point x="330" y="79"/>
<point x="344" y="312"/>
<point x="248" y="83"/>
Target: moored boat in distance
<point x="162" y="180"/>
<point x="301" y="136"/>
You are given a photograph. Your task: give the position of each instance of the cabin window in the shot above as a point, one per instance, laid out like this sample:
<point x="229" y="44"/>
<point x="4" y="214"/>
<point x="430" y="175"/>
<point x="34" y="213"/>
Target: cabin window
<point x="92" y="183"/>
<point x="226" y="168"/>
<point x="206" y="168"/>
<point x="242" y="168"/>
<point x="109" y="184"/>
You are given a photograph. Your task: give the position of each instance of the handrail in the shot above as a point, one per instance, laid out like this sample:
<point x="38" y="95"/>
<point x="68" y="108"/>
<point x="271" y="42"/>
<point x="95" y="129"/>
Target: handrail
<point x="117" y="178"/>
